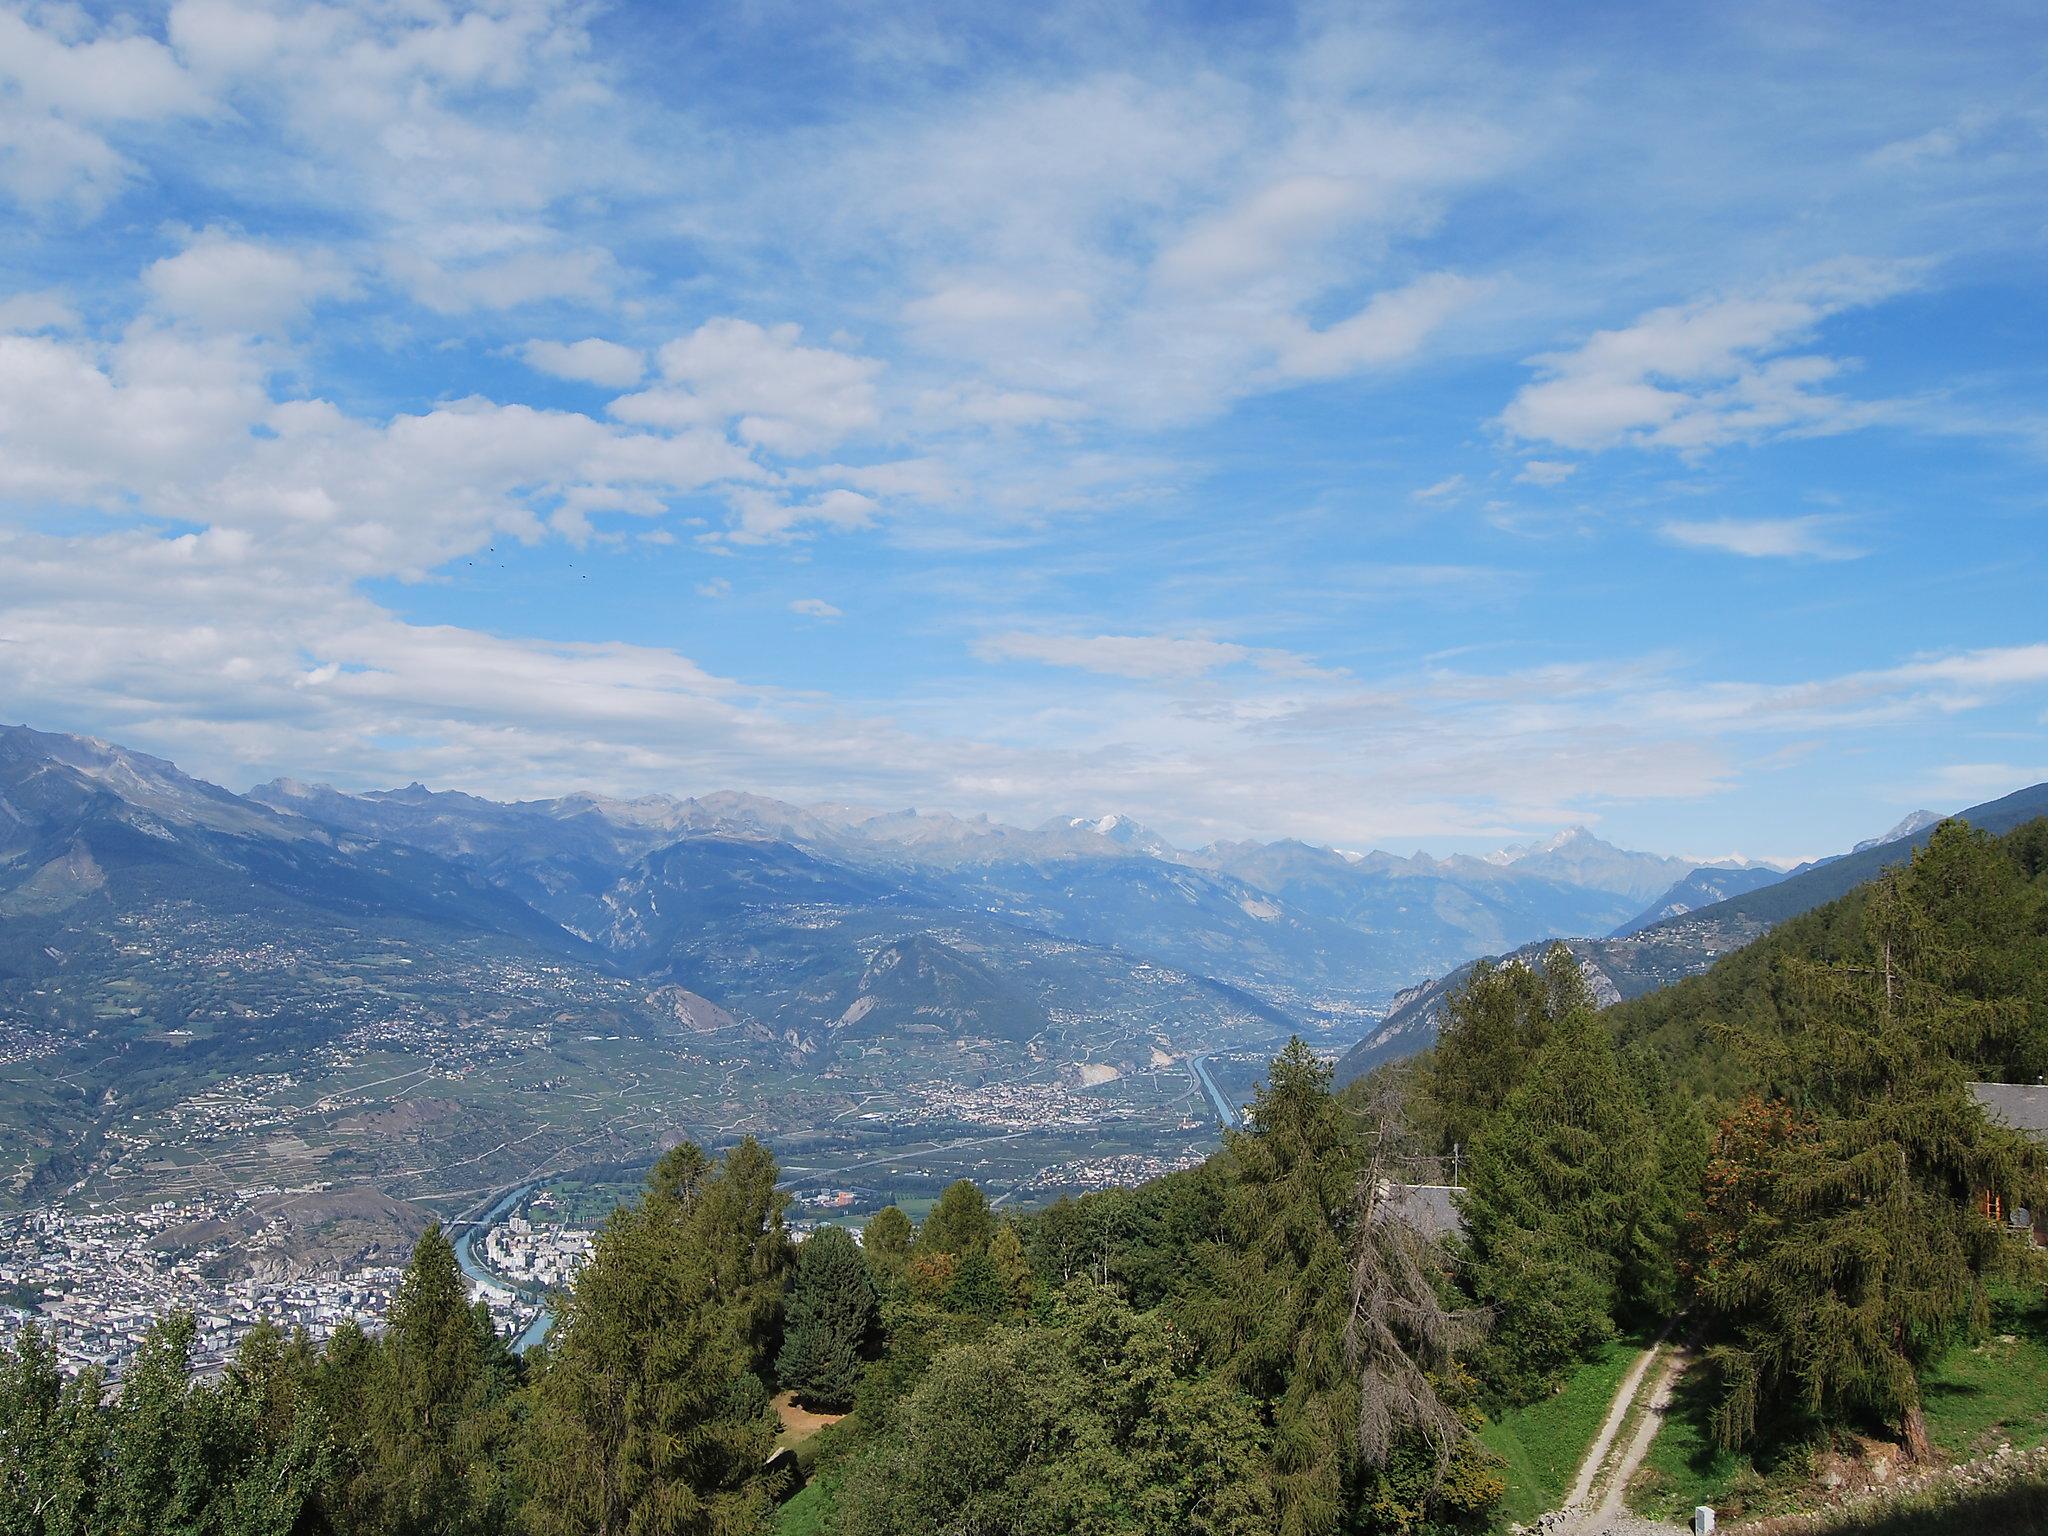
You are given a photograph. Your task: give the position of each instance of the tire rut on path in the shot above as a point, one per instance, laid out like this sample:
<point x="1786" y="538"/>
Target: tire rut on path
<point x="1594" y="1506"/>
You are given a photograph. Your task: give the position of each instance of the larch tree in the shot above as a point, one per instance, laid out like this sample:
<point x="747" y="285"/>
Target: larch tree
<point x="652" y="1413"/>
<point x="1861" y="1252"/>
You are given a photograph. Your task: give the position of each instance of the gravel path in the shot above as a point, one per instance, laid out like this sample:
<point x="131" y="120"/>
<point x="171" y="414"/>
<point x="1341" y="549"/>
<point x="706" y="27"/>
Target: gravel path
<point x="1594" y="1507"/>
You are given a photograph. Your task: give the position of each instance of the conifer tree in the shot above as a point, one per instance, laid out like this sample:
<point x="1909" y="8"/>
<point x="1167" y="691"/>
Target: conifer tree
<point x="1492" y="1029"/>
<point x="1862" y="1252"/>
<point x="1562" y="1177"/>
<point x="652" y="1414"/>
<point x="960" y="1222"/>
<point x="1278" y="1303"/>
<point x="976" y="1288"/>
<point x="429" y="1376"/>
<point x="828" y="1321"/>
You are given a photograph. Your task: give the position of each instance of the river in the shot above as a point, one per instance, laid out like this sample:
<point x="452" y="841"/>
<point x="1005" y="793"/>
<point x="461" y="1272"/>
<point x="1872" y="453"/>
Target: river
<point x="537" y="1329"/>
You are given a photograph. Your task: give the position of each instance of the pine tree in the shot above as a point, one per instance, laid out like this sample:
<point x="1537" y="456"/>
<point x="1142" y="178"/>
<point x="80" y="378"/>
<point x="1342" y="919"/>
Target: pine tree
<point x="1562" y="1179"/>
<point x="1277" y="1303"/>
<point x="652" y="1414"/>
<point x="976" y="1288"/>
<point x="429" y="1376"/>
<point x="828" y="1321"/>
<point x="1492" y="1029"/>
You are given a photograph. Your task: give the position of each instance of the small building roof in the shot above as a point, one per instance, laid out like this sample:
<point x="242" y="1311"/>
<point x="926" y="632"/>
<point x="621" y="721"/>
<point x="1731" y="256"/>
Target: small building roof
<point x="2022" y="1106"/>
<point x="1429" y="1208"/>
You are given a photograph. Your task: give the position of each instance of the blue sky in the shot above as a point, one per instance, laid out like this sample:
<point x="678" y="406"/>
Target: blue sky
<point x="1382" y="425"/>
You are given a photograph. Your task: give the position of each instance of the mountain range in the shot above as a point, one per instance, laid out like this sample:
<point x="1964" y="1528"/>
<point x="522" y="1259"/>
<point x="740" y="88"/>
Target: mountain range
<point x="705" y="892"/>
<point x="186" y="968"/>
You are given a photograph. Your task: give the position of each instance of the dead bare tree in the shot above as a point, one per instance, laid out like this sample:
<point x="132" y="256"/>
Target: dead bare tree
<point x="1401" y="1335"/>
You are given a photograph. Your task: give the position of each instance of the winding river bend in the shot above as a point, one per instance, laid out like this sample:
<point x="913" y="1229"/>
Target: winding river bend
<point x="537" y="1329"/>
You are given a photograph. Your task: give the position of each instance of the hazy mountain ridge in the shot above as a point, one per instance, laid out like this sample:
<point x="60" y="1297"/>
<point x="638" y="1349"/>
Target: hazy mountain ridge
<point x="774" y="913"/>
<point x="1643" y="959"/>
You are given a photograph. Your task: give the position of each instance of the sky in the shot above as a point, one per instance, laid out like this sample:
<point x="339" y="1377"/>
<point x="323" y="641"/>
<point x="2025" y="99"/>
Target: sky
<point x="1387" y="426"/>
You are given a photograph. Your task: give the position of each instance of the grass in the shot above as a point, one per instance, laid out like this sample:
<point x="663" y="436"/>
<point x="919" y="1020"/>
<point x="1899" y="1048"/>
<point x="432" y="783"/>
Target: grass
<point x="1979" y="1395"/>
<point x="1996" y="1390"/>
<point x="1543" y="1443"/>
<point x="810" y="1512"/>
<point x="1684" y="1467"/>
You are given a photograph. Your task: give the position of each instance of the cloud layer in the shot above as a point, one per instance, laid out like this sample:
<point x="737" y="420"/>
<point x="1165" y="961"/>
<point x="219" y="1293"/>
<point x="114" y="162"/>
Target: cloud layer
<point x="1354" y="423"/>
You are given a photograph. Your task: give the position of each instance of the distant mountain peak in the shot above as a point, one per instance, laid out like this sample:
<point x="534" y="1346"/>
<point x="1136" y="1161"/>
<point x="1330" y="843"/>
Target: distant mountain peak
<point x="1917" y="821"/>
<point x="1575" y="837"/>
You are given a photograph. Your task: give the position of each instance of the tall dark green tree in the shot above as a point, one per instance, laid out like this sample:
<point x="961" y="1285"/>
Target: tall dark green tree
<point x="1275" y="1313"/>
<point x="1491" y="1031"/>
<point x="829" y="1321"/>
<point x="1562" y="1177"/>
<point x="1862" y="1253"/>
<point x="432" y="1381"/>
<point x="653" y="1411"/>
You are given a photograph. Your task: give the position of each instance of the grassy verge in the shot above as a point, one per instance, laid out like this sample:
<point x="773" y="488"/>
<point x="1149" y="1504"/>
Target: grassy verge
<point x="1995" y="1390"/>
<point x="1978" y="1396"/>
<point x="1684" y="1466"/>
<point x="810" y="1512"/>
<point x="1544" y="1443"/>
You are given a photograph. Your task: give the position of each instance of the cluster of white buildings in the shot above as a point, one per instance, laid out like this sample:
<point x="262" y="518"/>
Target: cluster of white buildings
<point x="95" y="1282"/>
<point x="1010" y="1106"/>
<point x="1121" y="1171"/>
<point x="536" y="1255"/>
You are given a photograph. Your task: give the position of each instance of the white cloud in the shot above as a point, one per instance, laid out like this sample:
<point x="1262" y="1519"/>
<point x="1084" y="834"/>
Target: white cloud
<point x="717" y="586"/>
<point x="224" y="283"/>
<point x="1701" y="375"/>
<point x="590" y="361"/>
<point x="815" y="608"/>
<point x="1441" y="490"/>
<point x="183" y="426"/>
<point x="26" y="313"/>
<point x="579" y="274"/>
<point x="1545" y="472"/>
<point x="1960" y="785"/>
<point x="1809" y="538"/>
<point x="1389" y="329"/>
<point x="1170" y="658"/>
<point x="774" y="391"/>
<point x="1265" y="231"/>
<point x="763" y="517"/>
<point x="59" y="92"/>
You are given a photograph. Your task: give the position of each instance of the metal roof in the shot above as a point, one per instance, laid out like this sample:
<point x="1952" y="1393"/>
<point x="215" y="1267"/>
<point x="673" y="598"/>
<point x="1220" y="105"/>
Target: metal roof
<point x="2022" y="1106"/>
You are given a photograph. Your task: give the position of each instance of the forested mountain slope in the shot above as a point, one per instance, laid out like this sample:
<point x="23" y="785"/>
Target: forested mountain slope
<point x="1639" y="962"/>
